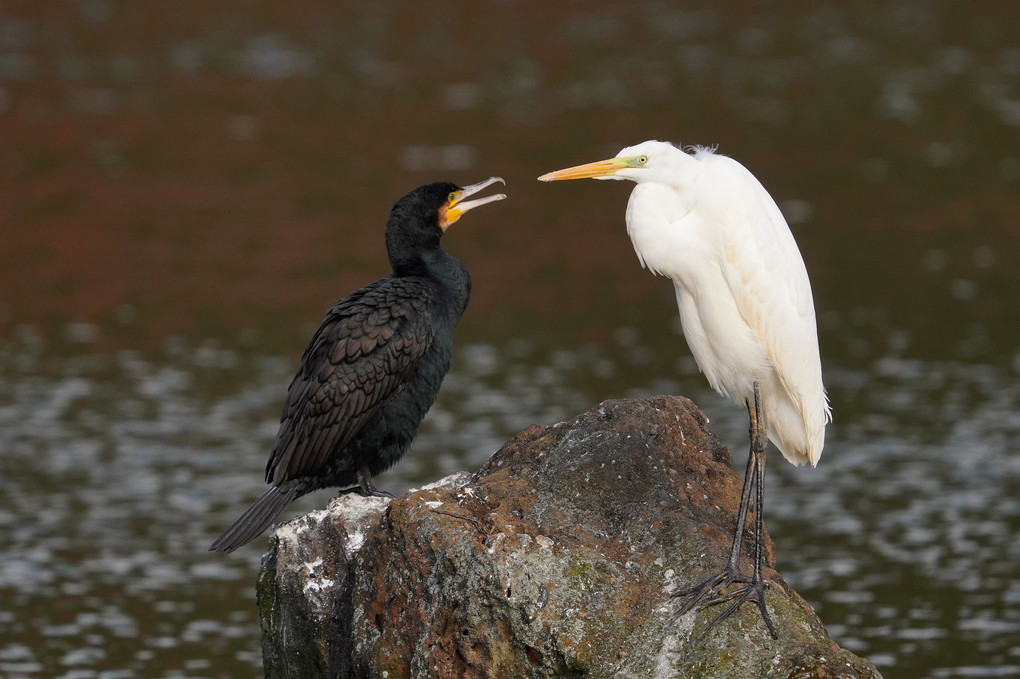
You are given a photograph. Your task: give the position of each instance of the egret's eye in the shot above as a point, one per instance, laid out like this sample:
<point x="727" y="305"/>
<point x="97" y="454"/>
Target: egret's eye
<point x="642" y="160"/>
<point x="452" y="197"/>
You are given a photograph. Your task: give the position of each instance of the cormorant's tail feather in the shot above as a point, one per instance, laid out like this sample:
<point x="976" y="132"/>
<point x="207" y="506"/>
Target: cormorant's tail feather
<point x="257" y="517"/>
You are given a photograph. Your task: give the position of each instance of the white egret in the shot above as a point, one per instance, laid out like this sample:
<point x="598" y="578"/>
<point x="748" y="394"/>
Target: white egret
<point x="707" y="223"/>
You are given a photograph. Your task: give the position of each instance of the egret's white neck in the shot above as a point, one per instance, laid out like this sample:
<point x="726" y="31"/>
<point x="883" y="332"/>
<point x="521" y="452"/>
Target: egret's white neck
<point x="657" y="218"/>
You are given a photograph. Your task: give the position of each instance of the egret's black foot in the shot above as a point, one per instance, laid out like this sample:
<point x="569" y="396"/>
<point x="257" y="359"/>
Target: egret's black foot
<point x="753" y="586"/>
<point x="753" y="589"/>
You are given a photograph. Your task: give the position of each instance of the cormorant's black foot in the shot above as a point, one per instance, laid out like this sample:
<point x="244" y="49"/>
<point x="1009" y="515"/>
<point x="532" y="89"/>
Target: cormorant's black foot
<point x="753" y="589"/>
<point x="371" y="491"/>
<point x="366" y="488"/>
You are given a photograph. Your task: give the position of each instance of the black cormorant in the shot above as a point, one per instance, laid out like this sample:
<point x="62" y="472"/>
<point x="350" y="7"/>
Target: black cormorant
<point x="374" y="366"/>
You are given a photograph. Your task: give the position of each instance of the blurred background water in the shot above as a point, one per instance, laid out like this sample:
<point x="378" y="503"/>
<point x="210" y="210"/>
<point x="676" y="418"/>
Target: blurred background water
<point x="185" y="187"/>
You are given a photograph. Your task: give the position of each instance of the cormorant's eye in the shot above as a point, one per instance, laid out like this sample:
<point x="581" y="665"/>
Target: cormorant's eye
<point x="642" y="160"/>
<point x="452" y="197"/>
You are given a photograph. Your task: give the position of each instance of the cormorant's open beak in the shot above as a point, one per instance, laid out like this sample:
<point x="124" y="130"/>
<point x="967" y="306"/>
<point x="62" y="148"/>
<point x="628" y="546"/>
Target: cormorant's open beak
<point x="457" y="206"/>
<point x="602" y="169"/>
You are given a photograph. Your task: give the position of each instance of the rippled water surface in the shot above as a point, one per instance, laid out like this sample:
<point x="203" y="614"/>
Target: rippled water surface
<point x="184" y="190"/>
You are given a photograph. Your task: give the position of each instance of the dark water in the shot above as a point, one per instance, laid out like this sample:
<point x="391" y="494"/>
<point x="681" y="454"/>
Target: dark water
<point x="184" y="189"/>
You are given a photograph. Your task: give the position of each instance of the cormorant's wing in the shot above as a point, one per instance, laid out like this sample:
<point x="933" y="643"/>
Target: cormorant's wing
<point x="367" y="346"/>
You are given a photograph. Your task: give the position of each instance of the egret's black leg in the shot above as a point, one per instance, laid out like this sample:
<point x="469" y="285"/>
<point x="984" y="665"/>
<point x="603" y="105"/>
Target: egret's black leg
<point x="754" y="586"/>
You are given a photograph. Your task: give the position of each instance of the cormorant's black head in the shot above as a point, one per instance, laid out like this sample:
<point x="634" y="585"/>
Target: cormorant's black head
<point x="419" y="219"/>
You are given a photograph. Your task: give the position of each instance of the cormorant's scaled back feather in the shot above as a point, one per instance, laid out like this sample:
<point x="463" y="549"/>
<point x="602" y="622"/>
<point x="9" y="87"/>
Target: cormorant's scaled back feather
<point x="367" y="346"/>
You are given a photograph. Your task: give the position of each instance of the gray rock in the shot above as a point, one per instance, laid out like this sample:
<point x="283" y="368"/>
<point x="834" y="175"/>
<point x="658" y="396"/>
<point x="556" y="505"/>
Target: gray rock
<point x="556" y="559"/>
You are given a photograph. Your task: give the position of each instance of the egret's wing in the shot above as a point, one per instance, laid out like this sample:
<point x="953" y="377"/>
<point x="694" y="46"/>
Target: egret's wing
<point x="766" y="275"/>
<point x="367" y="345"/>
